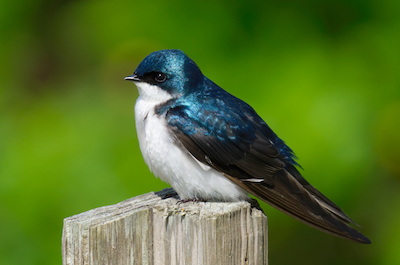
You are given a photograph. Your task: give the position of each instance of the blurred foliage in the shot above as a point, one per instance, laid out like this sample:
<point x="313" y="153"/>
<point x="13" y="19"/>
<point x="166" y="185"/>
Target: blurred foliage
<point x="323" y="74"/>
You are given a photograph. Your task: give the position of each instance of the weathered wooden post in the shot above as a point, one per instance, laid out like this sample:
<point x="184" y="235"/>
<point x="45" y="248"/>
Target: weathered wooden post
<point x="155" y="228"/>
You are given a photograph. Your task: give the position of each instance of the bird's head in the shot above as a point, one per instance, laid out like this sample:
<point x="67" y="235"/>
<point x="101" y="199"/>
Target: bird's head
<point x="170" y="70"/>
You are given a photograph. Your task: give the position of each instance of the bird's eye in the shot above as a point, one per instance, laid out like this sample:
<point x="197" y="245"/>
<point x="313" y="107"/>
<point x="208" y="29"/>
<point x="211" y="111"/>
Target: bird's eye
<point x="160" y="77"/>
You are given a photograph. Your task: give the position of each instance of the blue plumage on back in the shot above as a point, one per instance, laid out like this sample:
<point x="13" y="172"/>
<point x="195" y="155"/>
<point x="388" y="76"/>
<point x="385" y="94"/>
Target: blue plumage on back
<point x="210" y="110"/>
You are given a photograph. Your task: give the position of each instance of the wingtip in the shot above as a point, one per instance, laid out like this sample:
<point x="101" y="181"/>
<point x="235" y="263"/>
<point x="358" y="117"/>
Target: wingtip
<point x="363" y="239"/>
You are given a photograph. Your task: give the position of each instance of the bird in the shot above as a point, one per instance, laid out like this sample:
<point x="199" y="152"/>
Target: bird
<point x="211" y="146"/>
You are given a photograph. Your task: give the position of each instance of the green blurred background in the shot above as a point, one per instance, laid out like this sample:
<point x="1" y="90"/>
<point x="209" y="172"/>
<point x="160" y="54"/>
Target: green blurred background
<point x="323" y="74"/>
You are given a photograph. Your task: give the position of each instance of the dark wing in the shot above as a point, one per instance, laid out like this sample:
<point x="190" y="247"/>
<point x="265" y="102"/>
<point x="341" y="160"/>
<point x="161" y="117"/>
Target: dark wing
<point x="254" y="158"/>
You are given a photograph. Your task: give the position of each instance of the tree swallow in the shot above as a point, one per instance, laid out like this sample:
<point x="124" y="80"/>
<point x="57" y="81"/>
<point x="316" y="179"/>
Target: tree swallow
<point x="209" y="145"/>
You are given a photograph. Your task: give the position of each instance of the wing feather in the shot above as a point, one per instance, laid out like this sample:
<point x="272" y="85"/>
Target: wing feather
<point x="260" y="163"/>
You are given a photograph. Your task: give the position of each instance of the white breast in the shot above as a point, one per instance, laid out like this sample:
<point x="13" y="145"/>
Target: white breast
<point x="189" y="177"/>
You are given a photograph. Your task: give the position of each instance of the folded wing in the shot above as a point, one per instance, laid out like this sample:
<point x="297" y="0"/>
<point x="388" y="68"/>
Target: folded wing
<point x="254" y="158"/>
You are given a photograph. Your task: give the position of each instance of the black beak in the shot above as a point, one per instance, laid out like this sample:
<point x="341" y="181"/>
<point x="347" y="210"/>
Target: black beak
<point x="132" y="77"/>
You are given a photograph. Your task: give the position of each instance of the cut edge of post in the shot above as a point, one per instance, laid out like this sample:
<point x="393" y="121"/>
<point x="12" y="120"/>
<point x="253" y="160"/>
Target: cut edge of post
<point x="150" y="228"/>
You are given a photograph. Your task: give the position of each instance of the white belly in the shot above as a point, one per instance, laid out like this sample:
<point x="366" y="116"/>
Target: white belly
<point x="188" y="177"/>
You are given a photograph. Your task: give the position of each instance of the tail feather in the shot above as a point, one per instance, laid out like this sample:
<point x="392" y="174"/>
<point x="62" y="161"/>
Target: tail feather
<point x="304" y="204"/>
